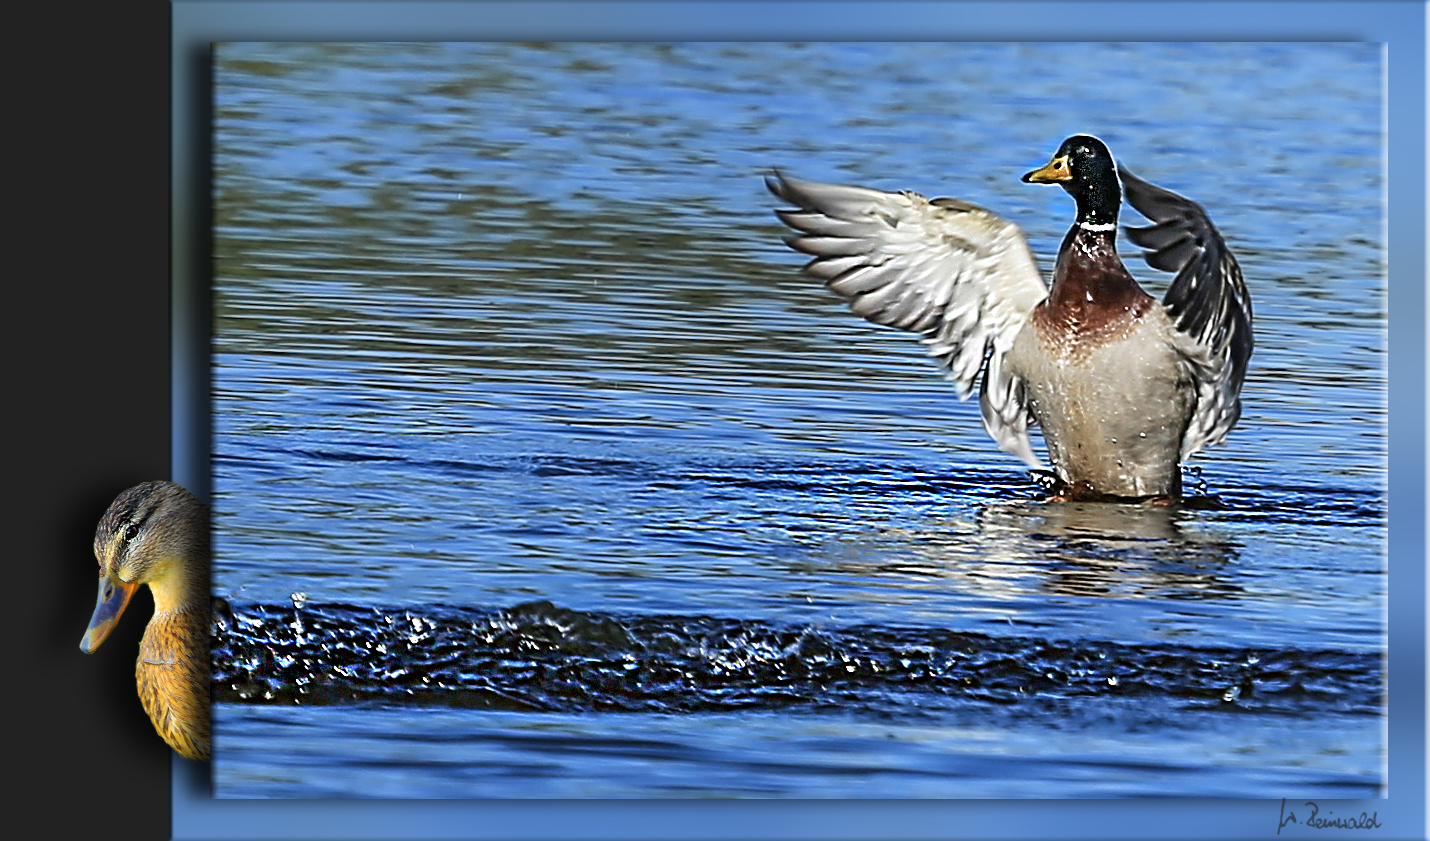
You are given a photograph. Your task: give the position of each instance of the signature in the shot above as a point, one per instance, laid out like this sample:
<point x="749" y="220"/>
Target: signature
<point x="1315" y="821"/>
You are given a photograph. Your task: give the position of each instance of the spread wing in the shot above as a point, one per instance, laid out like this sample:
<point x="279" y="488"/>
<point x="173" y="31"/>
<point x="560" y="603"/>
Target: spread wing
<point x="1207" y="301"/>
<point x="958" y="275"/>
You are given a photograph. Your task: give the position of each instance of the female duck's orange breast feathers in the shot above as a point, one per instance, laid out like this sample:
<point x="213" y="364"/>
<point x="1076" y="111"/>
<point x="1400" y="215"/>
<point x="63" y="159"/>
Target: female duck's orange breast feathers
<point x="157" y="534"/>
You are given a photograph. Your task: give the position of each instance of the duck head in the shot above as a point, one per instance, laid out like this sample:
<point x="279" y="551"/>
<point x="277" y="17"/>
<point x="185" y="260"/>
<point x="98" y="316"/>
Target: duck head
<point x="1085" y="168"/>
<point x="145" y="538"/>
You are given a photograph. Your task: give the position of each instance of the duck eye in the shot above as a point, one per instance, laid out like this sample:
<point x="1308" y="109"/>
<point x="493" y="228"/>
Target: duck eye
<point x="130" y="532"/>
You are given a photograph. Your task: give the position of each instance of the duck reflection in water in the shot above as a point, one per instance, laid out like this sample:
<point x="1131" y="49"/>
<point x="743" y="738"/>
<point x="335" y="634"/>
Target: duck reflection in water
<point x="1019" y="548"/>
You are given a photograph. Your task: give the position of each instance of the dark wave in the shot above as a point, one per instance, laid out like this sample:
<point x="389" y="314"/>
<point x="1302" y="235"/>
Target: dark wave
<point x="537" y="656"/>
<point x="1262" y="503"/>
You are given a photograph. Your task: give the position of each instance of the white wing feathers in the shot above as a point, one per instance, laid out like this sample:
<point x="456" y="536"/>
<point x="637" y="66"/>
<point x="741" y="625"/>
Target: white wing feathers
<point x="958" y="275"/>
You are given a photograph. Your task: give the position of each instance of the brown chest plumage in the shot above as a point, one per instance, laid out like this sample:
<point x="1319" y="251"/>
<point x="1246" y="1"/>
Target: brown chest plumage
<point x="1094" y="300"/>
<point x="173" y="680"/>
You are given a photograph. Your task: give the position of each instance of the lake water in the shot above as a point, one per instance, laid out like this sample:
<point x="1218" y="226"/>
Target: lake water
<point x="541" y="471"/>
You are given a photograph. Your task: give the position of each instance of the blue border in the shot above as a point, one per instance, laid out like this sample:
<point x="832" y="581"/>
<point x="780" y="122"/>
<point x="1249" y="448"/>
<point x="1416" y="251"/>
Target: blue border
<point x="1400" y="25"/>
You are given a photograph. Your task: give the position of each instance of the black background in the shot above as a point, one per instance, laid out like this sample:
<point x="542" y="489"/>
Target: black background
<point x="87" y="400"/>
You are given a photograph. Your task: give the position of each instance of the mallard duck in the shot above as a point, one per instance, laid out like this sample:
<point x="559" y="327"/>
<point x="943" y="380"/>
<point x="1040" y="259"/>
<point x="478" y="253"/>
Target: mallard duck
<point x="1123" y="388"/>
<point x="157" y="533"/>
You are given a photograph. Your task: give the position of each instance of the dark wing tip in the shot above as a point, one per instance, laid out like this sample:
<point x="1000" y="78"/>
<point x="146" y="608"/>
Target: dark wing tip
<point x="788" y="188"/>
<point x="775" y="183"/>
<point x="1208" y="297"/>
<point x="1159" y="204"/>
<point x="1180" y="232"/>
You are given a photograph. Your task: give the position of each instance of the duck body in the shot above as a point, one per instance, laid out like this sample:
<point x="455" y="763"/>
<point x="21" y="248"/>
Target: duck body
<point x="1111" y="407"/>
<point x="157" y="534"/>
<point x="1123" y="387"/>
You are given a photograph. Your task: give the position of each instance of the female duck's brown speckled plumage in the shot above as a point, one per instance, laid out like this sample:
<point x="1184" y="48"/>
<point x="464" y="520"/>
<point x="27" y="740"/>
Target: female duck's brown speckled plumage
<point x="1123" y="387"/>
<point x="157" y="533"/>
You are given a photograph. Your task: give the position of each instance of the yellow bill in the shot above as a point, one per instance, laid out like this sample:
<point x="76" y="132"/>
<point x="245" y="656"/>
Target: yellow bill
<point x="1057" y="169"/>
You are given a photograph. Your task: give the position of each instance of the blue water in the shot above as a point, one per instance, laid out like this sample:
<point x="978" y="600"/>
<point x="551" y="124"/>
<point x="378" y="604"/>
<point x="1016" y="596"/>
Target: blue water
<point x="500" y="323"/>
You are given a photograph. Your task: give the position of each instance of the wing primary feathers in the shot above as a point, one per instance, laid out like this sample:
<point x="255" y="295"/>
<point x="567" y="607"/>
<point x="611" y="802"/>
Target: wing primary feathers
<point x="958" y="275"/>
<point x="1207" y="300"/>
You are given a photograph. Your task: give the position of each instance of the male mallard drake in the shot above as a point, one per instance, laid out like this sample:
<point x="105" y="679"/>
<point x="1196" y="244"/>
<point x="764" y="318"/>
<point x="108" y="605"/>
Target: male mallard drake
<point x="157" y="533"/>
<point x="1123" y="388"/>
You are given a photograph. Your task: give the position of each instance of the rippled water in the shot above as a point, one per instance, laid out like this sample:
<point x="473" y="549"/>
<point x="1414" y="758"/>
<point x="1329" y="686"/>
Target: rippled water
<point x="588" y="492"/>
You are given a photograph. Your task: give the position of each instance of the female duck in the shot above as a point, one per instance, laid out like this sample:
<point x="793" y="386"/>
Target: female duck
<point x="1123" y="387"/>
<point x="157" y="533"/>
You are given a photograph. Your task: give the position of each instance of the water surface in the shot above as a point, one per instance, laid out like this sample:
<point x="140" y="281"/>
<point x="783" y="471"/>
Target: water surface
<point x="588" y="492"/>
